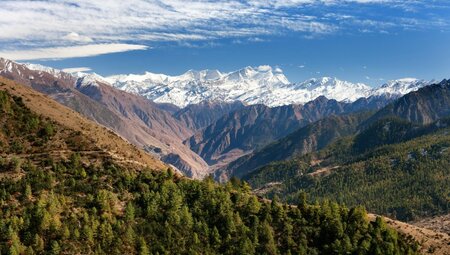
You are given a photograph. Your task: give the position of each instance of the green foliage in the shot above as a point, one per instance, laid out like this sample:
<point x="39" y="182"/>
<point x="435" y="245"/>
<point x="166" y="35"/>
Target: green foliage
<point x="22" y="129"/>
<point x="393" y="168"/>
<point x="152" y="212"/>
<point x="57" y="206"/>
<point x="386" y="131"/>
<point x="47" y="131"/>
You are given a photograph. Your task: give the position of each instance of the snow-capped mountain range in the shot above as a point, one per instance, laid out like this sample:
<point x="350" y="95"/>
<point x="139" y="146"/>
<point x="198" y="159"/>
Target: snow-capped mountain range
<point x="250" y="85"/>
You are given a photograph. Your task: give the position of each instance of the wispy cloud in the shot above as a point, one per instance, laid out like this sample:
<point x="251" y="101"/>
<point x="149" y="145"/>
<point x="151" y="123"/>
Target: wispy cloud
<point x="69" y="51"/>
<point x="76" y="69"/>
<point x="28" y="25"/>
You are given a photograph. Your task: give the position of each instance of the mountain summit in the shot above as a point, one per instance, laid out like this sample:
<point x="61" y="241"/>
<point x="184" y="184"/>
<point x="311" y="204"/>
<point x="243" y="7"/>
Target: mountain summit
<point x="246" y="85"/>
<point x="252" y="85"/>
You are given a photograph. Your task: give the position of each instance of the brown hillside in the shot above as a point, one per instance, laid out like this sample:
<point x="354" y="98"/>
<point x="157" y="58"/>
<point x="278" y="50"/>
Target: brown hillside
<point x="431" y="242"/>
<point x="138" y="120"/>
<point x="102" y="141"/>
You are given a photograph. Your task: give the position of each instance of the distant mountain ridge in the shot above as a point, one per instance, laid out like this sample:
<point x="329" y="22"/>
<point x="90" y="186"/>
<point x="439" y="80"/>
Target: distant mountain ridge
<point x="252" y="85"/>
<point x="198" y="116"/>
<point x="200" y="138"/>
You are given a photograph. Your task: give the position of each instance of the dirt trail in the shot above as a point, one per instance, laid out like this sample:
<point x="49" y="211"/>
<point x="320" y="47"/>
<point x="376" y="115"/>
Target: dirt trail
<point x="323" y="171"/>
<point x="66" y="153"/>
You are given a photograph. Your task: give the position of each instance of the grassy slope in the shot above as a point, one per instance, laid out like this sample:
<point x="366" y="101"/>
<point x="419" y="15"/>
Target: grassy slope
<point x="100" y="137"/>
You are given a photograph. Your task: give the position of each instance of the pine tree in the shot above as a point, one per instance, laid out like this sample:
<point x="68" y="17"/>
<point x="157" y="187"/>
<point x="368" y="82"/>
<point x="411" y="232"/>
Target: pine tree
<point x="55" y="248"/>
<point x="267" y="242"/>
<point x="38" y="243"/>
<point x="143" y="249"/>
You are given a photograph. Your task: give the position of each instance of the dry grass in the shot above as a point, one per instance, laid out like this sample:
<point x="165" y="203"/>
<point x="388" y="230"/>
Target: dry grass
<point x="102" y="138"/>
<point x="432" y="242"/>
<point x="438" y="223"/>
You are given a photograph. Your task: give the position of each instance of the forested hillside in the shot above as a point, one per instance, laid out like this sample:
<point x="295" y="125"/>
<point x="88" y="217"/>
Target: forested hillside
<point x="393" y="168"/>
<point x="83" y="204"/>
<point x="312" y="137"/>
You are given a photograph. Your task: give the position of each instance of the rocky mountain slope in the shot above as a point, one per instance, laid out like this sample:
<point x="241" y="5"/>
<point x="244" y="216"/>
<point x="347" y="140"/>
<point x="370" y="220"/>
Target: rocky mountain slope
<point x="423" y="106"/>
<point x="198" y="116"/>
<point x="312" y="137"/>
<point x="135" y="118"/>
<point x="255" y="126"/>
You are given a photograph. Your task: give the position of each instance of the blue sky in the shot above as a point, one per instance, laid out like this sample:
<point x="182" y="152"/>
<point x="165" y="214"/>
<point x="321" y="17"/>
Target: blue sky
<point x="368" y="41"/>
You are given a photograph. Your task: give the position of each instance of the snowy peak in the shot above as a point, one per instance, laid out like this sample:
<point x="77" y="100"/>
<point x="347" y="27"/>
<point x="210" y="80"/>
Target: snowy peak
<point x="211" y="75"/>
<point x="6" y="65"/>
<point x="38" y="71"/>
<point x="401" y="86"/>
<point x="317" y="82"/>
<point x="88" y="79"/>
<point x="41" y="68"/>
<point x="79" y="79"/>
<point x="252" y="85"/>
<point x="331" y="88"/>
<point x="204" y="75"/>
<point x="193" y="87"/>
<point x="330" y="83"/>
<point x="261" y="74"/>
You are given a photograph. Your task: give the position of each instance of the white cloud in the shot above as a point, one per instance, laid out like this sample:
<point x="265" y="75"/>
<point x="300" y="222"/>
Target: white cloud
<point x="27" y="24"/>
<point x="255" y="39"/>
<point x="70" y="51"/>
<point x="72" y="36"/>
<point x="278" y="70"/>
<point x="264" y="68"/>
<point x="76" y="69"/>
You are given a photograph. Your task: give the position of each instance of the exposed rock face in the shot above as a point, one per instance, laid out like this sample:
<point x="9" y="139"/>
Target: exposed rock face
<point x="253" y="127"/>
<point x="198" y="116"/>
<point x="312" y="137"/>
